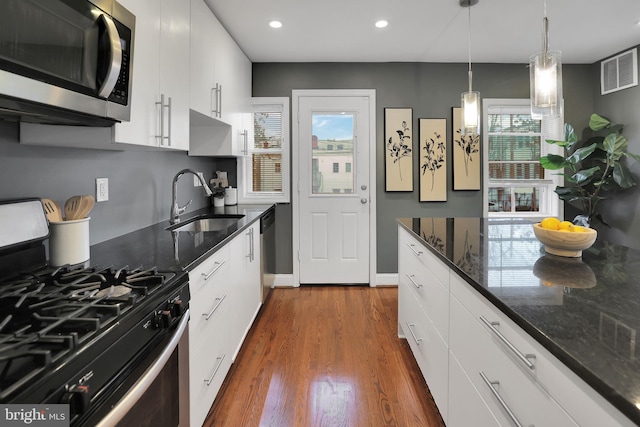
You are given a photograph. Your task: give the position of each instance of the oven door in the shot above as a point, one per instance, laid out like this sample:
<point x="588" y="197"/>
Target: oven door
<point x="158" y="392"/>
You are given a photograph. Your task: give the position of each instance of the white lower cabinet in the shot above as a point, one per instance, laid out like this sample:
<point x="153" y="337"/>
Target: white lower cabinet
<point x="481" y="367"/>
<point x="225" y="298"/>
<point x="427" y="345"/>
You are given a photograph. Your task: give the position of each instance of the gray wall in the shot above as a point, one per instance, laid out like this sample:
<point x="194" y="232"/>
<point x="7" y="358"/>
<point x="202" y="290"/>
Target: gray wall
<point x="431" y="90"/>
<point x="622" y="212"/>
<point x="139" y="181"/>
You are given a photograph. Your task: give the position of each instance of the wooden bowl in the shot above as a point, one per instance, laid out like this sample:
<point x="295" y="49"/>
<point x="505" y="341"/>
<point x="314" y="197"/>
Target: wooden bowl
<point x="565" y="243"/>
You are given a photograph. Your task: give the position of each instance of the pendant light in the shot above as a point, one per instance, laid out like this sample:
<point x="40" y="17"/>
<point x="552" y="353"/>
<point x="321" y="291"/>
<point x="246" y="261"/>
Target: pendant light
<point x="545" y="72"/>
<point x="470" y="100"/>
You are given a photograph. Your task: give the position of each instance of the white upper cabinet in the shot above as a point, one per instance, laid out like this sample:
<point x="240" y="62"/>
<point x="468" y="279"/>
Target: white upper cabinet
<point x="220" y="87"/>
<point x="160" y="101"/>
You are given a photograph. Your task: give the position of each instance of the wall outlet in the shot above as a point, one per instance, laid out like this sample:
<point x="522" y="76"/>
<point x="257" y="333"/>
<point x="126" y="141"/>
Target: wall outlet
<point x="102" y="189"/>
<point x="196" y="181"/>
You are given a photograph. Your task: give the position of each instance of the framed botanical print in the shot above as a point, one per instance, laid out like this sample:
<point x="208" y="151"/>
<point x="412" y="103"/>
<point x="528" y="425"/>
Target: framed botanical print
<point x="433" y="160"/>
<point x="398" y="148"/>
<point x="466" y="156"/>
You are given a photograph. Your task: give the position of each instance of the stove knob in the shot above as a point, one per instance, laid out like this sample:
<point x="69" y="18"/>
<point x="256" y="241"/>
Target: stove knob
<point x="163" y="319"/>
<point x="176" y="307"/>
<point x="77" y="398"/>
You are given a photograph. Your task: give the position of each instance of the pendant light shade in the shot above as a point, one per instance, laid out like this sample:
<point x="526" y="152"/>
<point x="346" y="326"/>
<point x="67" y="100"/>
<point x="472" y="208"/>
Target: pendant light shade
<point x="545" y="73"/>
<point x="470" y="100"/>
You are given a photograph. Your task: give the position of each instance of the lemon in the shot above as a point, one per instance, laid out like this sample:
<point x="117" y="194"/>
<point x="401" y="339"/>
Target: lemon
<point x="567" y="226"/>
<point x="550" y="223"/>
<point x="578" y="229"/>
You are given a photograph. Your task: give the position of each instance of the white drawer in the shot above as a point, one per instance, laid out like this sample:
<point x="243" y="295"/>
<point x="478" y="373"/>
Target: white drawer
<point x="429" y="350"/>
<point x="439" y="270"/>
<point x="501" y="381"/>
<point x="432" y="295"/>
<point x="466" y="407"/>
<point x="212" y="308"/>
<point x="209" y="270"/>
<point x="208" y="367"/>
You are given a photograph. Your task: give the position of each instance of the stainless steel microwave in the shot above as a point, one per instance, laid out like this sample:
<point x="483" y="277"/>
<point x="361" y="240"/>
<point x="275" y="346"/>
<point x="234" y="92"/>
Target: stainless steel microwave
<point x="66" y="61"/>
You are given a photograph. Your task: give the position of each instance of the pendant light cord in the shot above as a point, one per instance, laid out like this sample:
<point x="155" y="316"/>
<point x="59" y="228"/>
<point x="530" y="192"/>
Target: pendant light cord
<point x="469" y="7"/>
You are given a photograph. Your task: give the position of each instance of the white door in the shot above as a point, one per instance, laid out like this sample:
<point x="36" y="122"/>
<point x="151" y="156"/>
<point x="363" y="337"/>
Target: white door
<point x="333" y="149"/>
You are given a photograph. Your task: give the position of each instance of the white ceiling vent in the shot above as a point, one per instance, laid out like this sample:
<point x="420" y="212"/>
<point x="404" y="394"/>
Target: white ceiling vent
<point x="619" y="72"/>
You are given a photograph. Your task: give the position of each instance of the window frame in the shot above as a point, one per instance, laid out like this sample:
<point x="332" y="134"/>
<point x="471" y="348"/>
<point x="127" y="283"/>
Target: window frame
<point x="245" y="166"/>
<point x="552" y="128"/>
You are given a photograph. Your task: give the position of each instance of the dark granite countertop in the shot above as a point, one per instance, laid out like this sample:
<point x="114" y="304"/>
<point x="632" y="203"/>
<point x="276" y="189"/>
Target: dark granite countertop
<point x="585" y="311"/>
<point x="155" y="246"/>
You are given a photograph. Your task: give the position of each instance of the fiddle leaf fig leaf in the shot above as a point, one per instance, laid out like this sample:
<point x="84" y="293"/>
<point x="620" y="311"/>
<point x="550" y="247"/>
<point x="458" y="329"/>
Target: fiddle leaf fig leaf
<point x="580" y="154"/>
<point x="622" y="176"/>
<point x="615" y="145"/>
<point x="633" y="156"/>
<point x="570" y="134"/>
<point x="568" y="194"/>
<point x="597" y="122"/>
<point x="565" y="144"/>
<point x="553" y="162"/>
<point x="582" y="176"/>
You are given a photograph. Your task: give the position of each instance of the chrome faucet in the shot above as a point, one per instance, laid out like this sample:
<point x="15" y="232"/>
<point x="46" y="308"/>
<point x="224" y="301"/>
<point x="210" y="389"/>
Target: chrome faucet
<point x="176" y="210"/>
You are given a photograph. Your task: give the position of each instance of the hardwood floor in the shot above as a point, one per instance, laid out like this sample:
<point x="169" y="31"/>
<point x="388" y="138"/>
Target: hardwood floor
<point x="325" y="356"/>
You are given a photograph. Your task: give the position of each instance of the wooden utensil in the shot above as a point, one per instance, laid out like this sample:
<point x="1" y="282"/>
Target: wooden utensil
<point x="86" y="204"/>
<point x="52" y="210"/>
<point x="77" y="207"/>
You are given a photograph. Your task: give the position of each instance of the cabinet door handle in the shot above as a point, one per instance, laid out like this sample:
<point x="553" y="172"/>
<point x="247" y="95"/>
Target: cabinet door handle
<point x="413" y="249"/>
<point x="410" y="326"/>
<point x="215" y="105"/>
<point x="168" y="137"/>
<point x="219" y="104"/>
<point x="215" y="269"/>
<point x="245" y="137"/>
<point x="251" y="254"/>
<point x="161" y="105"/>
<point x="410" y="277"/>
<point x="504" y="405"/>
<point x="215" y="369"/>
<point x="524" y="358"/>
<point x="215" y="307"/>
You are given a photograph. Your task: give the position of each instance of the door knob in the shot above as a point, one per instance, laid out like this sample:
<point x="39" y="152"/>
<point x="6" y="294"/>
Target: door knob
<point x="363" y="200"/>
<point x="363" y="187"/>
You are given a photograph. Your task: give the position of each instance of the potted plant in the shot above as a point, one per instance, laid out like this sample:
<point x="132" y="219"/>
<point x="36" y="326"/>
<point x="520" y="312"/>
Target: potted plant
<point x="593" y="169"/>
<point x="218" y="194"/>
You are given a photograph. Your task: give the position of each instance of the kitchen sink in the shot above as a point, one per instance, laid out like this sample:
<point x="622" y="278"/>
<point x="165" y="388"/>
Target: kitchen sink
<point x="215" y="222"/>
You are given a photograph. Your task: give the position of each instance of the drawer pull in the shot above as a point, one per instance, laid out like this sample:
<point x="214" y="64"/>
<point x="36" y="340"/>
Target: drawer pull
<point x="410" y="326"/>
<point x="411" y="246"/>
<point x="504" y="405"/>
<point x="215" y="307"/>
<point x="410" y="277"/>
<point x="216" y="268"/>
<point x="215" y="370"/>
<point x="524" y="358"/>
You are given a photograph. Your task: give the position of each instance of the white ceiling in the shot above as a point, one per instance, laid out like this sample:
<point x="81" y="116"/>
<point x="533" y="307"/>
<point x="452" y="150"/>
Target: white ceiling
<point x="503" y="31"/>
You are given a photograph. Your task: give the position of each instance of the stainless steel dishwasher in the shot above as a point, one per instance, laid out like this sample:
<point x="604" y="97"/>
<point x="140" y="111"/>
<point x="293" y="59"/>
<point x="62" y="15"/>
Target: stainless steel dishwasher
<point x="267" y="251"/>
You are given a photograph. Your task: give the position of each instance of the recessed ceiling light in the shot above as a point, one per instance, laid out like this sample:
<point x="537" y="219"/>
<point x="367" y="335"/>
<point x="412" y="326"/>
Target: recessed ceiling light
<point x="381" y="24"/>
<point x="275" y="24"/>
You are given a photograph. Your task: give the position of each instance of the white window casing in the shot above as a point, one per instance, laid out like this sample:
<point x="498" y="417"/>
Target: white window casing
<point x="549" y="202"/>
<point x="270" y="120"/>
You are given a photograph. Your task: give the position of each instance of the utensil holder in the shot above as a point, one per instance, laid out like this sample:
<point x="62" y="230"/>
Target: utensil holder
<point x="69" y="242"/>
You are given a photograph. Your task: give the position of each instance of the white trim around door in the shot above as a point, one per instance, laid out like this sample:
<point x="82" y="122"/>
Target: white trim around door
<point x="296" y="95"/>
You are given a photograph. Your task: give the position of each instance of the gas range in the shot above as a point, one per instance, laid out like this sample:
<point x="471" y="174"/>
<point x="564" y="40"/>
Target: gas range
<point x="74" y="334"/>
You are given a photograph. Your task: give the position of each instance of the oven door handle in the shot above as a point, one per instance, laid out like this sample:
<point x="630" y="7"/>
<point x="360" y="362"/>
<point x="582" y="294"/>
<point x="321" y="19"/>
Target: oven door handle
<point x="140" y="387"/>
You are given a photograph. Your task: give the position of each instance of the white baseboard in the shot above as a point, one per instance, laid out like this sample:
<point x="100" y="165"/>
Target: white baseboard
<point x="382" y="279"/>
<point x="386" y="279"/>
<point x="283" y="281"/>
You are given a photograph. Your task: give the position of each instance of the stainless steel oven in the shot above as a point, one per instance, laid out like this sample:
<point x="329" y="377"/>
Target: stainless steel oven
<point x="66" y="61"/>
<point x="158" y="392"/>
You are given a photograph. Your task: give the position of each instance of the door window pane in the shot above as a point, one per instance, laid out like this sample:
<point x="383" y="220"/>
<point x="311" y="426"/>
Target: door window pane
<point x="332" y="149"/>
